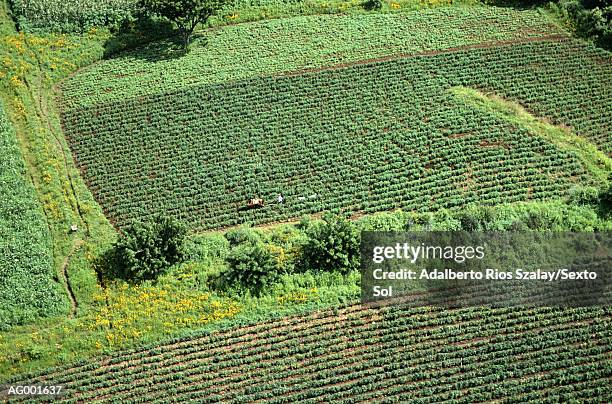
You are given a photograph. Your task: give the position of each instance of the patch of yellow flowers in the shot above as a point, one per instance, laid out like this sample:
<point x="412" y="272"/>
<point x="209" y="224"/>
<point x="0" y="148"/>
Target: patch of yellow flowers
<point x="297" y="297"/>
<point x="134" y="310"/>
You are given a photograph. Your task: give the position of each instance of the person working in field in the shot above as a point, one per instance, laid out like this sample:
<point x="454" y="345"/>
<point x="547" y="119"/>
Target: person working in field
<point x="281" y="198"/>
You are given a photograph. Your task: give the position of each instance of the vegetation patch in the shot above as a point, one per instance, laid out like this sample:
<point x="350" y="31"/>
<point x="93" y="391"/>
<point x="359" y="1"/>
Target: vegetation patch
<point x="28" y="289"/>
<point x="285" y="45"/>
<point x="597" y="162"/>
<point x="365" y="138"/>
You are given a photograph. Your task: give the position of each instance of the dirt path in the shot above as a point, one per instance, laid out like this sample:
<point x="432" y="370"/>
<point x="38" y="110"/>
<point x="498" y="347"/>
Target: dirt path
<point x="37" y="92"/>
<point x="44" y="116"/>
<point x="63" y="274"/>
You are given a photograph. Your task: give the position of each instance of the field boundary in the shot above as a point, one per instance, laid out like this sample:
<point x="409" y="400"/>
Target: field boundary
<point x="397" y="56"/>
<point x="59" y="96"/>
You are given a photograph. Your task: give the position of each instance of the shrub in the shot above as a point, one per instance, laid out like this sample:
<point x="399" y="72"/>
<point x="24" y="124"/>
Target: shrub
<point x="251" y="263"/>
<point x="146" y="250"/>
<point x="372" y="4"/>
<point x="333" y="244"/>
<point x="592" y="19"/>
<point x="605" y="201"/>
<point x="242" y="235"/>
<point x="581" y="195"/>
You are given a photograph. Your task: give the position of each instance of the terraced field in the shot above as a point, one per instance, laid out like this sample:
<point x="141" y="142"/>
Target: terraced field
<point x="391" y="354"/>
<point x="369" y="137"/>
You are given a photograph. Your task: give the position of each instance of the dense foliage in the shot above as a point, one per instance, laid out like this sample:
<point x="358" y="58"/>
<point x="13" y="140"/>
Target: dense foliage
<point x="250" y="262"/>
<point x="591" y="19"/>
<point x="27" y="287"/>
<point x="186" y="14"/>
<point x="361" y="354"/>
<point x="366" y="138"/>
<point x="70" y="15"/>
<point x="541" y="216"/>
<point x="256" y="259"/>
<point x="145" y="250"/>
<point x="332" y="244"/>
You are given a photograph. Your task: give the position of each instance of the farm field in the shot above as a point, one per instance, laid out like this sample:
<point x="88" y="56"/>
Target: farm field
<point x="366" y="138"/>
<point x="356" y="354"/>
<point x="27" y="287"/>
<point x="265" y="48"/>
<point x="135" y="266"/>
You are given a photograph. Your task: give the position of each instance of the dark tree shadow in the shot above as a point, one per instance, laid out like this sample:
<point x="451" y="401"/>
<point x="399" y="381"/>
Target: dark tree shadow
<point x="518" y="4"/>
<point x="152" y="39"/>
<point x="158" y="49"/>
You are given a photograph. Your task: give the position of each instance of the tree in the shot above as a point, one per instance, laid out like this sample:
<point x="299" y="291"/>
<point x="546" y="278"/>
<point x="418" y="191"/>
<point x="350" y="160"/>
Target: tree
<point x="146" y="250"/>
<point x="186" y="14"/>
<point x="250" y="262"/>
<point x="333" y="245"/>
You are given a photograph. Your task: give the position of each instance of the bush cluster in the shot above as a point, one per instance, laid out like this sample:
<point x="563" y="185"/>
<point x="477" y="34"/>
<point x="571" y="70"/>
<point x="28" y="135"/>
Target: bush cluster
<point x="591" y="19"/>
<point x="332" y="244"/>
<point x="146" y="250"/>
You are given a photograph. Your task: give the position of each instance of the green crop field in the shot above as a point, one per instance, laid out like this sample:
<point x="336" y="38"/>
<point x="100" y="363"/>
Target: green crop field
<point x="394" y="354"/>
<point x="371" y="137"/>
<point x="145" y="254"/>
<point x="269" y="47"/>
<point x="27" y="287"/>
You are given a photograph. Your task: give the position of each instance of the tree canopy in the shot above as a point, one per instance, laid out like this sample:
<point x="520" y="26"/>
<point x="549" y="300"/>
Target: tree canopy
<point x="186" y="14"/>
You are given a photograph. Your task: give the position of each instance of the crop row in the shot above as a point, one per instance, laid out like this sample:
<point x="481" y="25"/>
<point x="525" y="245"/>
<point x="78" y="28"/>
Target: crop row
<point x="284" y="45"/>
<point x="314" y="359"/>
<point x="412" y="353"/>
<point x="366" y="138"/>
<point x="287" y="329"/>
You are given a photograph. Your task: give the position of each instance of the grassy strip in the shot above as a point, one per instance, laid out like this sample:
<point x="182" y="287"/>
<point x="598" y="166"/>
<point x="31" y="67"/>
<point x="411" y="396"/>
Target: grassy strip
<point x="28" y="289"/>
<point x="594" y="160"/>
